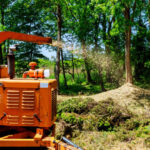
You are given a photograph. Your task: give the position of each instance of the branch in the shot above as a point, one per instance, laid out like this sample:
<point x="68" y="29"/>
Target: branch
<point x="134" y="7"/>
<point x="71" y="12"/>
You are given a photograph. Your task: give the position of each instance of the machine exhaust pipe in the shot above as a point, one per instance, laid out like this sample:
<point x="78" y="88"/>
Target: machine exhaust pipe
<point x="11" y="64"/>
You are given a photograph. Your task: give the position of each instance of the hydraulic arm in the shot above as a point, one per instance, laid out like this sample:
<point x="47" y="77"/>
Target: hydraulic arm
<point x="8" y="35"/>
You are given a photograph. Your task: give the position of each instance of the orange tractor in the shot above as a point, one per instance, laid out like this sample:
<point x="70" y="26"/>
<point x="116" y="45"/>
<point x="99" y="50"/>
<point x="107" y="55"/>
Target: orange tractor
<point x="28" y="105"/>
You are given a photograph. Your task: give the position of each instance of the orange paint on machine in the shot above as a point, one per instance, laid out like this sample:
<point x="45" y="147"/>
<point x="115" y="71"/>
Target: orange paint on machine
<point x="28" y="105"/>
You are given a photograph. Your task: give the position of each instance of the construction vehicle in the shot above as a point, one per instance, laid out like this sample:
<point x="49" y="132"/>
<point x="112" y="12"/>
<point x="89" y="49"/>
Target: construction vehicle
<point x="28" y="105"/>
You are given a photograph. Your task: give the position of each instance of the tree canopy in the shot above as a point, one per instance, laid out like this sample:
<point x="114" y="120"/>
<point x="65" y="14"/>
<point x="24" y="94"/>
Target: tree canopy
<point x="114" y="29"/>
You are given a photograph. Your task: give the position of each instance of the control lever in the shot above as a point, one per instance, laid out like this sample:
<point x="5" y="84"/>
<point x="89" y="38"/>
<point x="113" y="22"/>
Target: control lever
<point x="36" y="116"/>
<point x="3" y="116"/>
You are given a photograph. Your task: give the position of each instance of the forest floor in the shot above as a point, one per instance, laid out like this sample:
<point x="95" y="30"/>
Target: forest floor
<point x="128" y="95"/>
<point x="125" y="112"/>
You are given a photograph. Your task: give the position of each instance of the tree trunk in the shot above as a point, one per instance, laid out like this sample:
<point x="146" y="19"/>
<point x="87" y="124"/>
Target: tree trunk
<point x="101" y="80"/>
<point x="149" y="23"/>
<point x="149" y="13"/>
<point x="127" y="47"/>
<point x="2" y="16"/>
<point x="108" y="51"/>
<point x="72" y="66"/>
<point x="86" y="62"/>
<point x="59" y="25"/>
<point x="96" y="24"/>
<point x="104" y="31"/>
<point x="108" y="38"/>
<point x="63" y="68"/>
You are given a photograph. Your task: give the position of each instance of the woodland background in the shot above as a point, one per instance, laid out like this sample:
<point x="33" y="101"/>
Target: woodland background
<point x="100" y="45"/>
<point x="106" y="42"/>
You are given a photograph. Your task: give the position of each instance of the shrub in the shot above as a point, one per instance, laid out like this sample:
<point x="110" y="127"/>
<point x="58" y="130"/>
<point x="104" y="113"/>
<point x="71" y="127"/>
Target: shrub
<point x="136" y="123"/>
<point x="72" y="119"/>
<point x="76" y="105"/>
<point x="110" y="115"/>
<point x="132" y="124"/>
<point x="90" y="122"/>
<point x="104" y="125"/>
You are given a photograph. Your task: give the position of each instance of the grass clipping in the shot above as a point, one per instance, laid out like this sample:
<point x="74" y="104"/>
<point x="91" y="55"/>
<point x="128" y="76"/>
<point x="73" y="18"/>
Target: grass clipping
<point x="117" y="119"/>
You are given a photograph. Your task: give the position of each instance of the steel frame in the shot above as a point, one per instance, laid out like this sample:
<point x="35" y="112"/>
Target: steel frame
<point x="29" y="139"/>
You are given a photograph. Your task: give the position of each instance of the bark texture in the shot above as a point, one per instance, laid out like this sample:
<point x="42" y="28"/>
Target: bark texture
<point x="59" y="26"/>
<point x="127" y="47"/>
<point x="89" y="79"/>
<point x="63" y="68"/>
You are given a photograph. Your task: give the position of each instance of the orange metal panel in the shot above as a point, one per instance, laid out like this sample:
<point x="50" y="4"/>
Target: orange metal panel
<point x="3" y="71"/>
<point x="27" y="103"/>
<point x="19" y="143"/>
<point x="20" y="135"/>
<point x="20" y="105"/>
<point x="1" y="105"/>
<point x="45" y="105"/>
<point x="21" y="83"/>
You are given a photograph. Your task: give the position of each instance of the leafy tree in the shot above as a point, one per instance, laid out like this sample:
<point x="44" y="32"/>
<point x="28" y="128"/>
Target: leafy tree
<point x="24" y="17"/>
<point x="78" y="18"/>
<point x="4" y="8"/>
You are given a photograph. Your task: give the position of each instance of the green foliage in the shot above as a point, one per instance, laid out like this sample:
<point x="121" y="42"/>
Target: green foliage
<point x="79" y="88"/>
<point x="70" y="110"/>
<point x="72" y="119"/>
<point x="105" y="121"/>
<point x="76" y="105"/>
<point x="45" y="63"/>
<point x="104" y="125"/>
<point x="109" y="115"/>
<point x="99" y="24"/>
<point x="105" y="116"/>
<point x="143" y="131"/>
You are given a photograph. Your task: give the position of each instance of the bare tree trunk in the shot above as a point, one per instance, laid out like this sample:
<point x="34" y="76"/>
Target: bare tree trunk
<point x="149" y="14"/>
<point x="127" y="48"/>
<point x="86" y="62"/>
<point x="72" y="66"/>
<point x="2" y="16"/>
<point x="63" y="68"/>
<point x="108" y="51"/>
<point x="101" y="80"/>
<point x="104" y="30"/>
<point x="149" y="23"/>
<point x="59" y="25"/>
<point x="96" y="24"/>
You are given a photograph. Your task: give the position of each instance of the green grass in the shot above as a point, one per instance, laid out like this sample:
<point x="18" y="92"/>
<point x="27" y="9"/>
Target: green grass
<point x="79" y="86"/>
<point x="143" y="84"/>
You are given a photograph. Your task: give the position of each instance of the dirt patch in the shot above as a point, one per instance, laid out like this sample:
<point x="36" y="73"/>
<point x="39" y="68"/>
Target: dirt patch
<point x="136" y="99"/>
